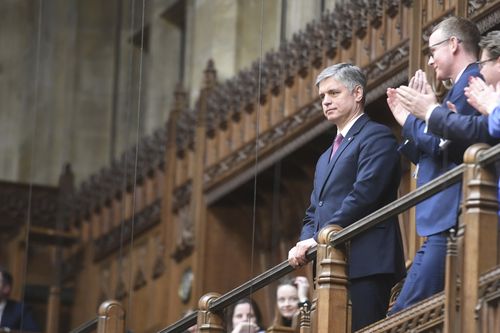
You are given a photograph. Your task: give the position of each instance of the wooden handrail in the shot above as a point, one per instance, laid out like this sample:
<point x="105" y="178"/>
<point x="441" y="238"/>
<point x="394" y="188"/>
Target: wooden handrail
<point x="489" y="156"/>
<point x="411" y="199"/>
<point x="86" y="327"/>
<point x="394" y="208"/>
<point x="110" y="319"/>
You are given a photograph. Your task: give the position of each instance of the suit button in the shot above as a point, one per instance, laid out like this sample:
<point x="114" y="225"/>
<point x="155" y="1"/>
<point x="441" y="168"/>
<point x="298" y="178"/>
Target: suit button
<point x="320" y="203"/>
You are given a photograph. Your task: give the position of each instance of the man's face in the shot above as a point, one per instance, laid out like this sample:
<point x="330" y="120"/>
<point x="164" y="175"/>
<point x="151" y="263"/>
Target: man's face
<point x="441" y="55"/>
<point x="490" y="68"/>
<point x="339" y="104"/>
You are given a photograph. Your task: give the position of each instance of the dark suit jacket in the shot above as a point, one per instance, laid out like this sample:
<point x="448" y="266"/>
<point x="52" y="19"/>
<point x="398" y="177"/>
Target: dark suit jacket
<point x="439" y="212"/>
<point x="12" y="314"/>
<point x="362" y="177"/>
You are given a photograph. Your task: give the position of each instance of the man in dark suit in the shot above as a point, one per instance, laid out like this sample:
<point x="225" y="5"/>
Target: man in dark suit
<point x="453" y="47"/>
<point x="359" y="174"/>
<point x="13" y="315"/>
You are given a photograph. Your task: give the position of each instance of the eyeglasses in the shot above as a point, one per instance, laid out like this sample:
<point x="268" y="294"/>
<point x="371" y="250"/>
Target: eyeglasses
<point x="432" y="48"/>
<point x="481" y="63"/>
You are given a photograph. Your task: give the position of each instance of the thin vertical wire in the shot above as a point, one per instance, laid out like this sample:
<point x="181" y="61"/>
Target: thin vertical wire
<point x="257" y="130"/>
<point x="137" y="133"/>
<point x="32" y="157"/>
<point x="125" y="161"/>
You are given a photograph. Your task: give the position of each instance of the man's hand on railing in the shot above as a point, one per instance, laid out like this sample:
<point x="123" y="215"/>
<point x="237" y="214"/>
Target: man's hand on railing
<point x="297" y="255"/>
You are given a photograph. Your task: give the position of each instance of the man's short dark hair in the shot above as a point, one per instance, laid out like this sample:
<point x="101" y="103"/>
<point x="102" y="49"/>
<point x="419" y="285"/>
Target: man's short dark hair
<point x="465" y="30"/>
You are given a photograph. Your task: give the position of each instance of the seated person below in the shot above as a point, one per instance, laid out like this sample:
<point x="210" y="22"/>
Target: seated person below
<point x="244" y="317"/>
<point x="290" y="296"/>
<point x="13" y="315"/>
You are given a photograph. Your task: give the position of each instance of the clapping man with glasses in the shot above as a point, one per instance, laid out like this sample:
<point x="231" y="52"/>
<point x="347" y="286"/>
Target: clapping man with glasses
<point x="453" y="51"/>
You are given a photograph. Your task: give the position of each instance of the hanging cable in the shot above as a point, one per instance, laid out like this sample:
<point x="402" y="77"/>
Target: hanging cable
<point x="257" y="132"/>
<point x="123" y="217"/>
<point x="32" y="157"/>
<point x="139" y="93"/>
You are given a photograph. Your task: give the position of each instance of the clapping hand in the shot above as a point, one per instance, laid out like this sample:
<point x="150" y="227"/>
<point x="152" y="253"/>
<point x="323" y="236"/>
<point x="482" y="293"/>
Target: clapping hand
<point x="481" y="96"/>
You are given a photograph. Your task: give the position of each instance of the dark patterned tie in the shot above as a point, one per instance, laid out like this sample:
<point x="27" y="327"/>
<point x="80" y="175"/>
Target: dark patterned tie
<point x="336" y="144"/>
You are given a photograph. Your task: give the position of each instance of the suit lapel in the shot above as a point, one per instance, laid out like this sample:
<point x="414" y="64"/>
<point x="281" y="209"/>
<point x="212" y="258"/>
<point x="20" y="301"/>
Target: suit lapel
<point x="328" y="168"/>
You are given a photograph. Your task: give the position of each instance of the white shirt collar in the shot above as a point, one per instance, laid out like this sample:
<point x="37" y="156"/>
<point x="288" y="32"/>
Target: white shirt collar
<point x="348" y="126"/>
<point x="459" y="74"/>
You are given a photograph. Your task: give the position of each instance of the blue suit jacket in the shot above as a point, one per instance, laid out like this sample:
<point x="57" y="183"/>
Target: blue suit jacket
<point x="12" y="314"/>
<point x="362" y="177"/>
<point x="494" y="123"/>
<point x="440" y="212"/>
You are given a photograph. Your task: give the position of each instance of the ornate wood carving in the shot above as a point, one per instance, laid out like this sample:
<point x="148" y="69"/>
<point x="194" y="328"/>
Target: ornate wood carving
<point x="159" y="263"/>
<point x="489" y="301"/>
<point x="182" y="195"/>
<point x="392" y="7"/>
<point x="376" y="10"/>
<point x="330" y="26"/>
<point x="490" y="20"/>
<point x="110" y="182"/>
<point x="407" y="3"/>
<point x="359" y="12"/>
<point x="381" y="66"/>
<point x="344" y="19"/>
<point x="267" y="139"/>
<point x="15" y="200"/>
<point x="315" y="37"/>
<point x="140" y="276"/>
<point x="143" y="220"/>
<point x="185" y="238"/>
<point x="426" y="316"/>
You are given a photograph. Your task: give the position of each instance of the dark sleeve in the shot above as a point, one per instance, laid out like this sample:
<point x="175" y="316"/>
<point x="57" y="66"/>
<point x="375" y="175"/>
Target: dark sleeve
<point x="414" y="131"/>
<point x="29" y="323"/>
<point x="458" y="127"/>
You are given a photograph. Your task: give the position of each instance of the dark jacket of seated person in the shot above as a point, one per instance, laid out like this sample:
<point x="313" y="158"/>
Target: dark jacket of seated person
<point x="14" y="315"/>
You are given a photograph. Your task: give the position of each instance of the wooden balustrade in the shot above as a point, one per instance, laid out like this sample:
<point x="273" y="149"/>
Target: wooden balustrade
<point x="480" y="224"/>
<point x="332" y="309"/>
<point x="110" y="319"/>
<point x="462" y="307"/>
<point x="209" y="321"/>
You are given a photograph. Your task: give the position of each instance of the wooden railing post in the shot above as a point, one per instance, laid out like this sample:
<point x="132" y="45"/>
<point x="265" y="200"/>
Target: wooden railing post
<point x="209" y="322"/>
<point x="53" y="309"/>
<point x="332" y="311"/>
<point x="111" y="317"/>
<point x="450" y="289"/>
<point x="480" y="221"/>
<point x="305" y="319"/>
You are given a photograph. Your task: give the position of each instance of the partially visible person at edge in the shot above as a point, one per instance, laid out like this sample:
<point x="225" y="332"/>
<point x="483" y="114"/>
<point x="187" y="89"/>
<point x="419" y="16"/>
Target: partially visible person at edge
<point x="357" y="175"/>
<point x="244" y="317"/>
<point x="453" y="48"/>
<point x="484" y="96"/>
<point x="14" y="315"/>
<point x="291" y="295"/>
